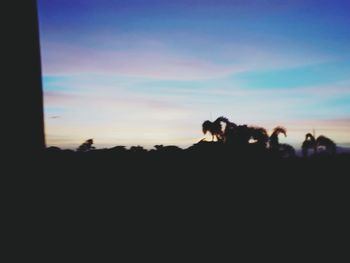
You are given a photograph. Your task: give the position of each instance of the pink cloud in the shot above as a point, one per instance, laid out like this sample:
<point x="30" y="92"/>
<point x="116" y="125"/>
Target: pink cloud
<point x="107" y="106"/>
<point x="158" y="64"/>
<point x="54" y="97"/>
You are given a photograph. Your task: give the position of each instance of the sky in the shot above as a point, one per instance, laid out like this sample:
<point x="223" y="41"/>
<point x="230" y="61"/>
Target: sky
<point x="147" y="72"/>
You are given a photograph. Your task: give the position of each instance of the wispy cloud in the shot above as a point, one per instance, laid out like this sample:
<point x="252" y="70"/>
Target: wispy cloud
<point x="153" y="64"/>
<point x="158" y="60"/>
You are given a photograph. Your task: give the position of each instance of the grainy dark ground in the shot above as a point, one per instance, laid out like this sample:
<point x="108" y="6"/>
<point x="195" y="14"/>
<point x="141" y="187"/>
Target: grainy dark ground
<point x="159" y="204"/>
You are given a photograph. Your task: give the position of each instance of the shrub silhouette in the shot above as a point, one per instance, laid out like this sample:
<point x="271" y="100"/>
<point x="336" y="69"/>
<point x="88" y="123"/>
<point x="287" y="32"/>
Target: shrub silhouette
<point x="259" y="136"/>
<point x="215" y="128"/>
<point x="283" y="150"/>
<point x="308" y="143"/>
<point x="86" y="146"/>
<point x="137" y="149"/>
<point x="321" y="143"/>
<point x="244" y="138"/>
<point x="329" y="146"/>
<point x="273" y="140"/>
<point x="229" y="140"/>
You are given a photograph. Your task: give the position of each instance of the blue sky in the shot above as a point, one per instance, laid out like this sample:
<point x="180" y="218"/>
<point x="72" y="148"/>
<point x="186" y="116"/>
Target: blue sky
<point x="146" y="72"/>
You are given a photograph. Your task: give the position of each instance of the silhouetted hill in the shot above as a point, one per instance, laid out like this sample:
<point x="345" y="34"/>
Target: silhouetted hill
<point x="343" y="150"/>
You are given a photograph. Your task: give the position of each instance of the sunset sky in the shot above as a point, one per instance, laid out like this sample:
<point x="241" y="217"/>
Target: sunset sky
<point x="146" y="72"/>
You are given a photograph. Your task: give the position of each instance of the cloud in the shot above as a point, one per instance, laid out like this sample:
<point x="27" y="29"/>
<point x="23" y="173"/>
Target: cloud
<point x="154" y="64"/>
<point x="53" y="98"/>
<point x="158" y="59"/>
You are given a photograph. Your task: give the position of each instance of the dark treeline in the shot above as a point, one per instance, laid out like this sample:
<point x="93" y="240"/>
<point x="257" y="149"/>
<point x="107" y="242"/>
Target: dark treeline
<point x="228" y="138"/>
<point x="243" y="178"/>
<point x="251" y="191"/>
<point x="233" y="150"/>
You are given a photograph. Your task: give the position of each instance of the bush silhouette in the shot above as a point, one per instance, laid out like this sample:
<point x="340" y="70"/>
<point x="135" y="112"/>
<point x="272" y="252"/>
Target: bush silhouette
<point x="86" y="146"/>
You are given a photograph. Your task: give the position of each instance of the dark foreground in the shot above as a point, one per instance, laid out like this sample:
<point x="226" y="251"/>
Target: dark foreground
<point x="158" y="205"/>
<point x="189" y="173"/>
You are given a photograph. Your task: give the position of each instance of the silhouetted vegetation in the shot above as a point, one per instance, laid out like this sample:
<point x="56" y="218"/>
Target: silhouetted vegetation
<point x="86" y="146"/>
<point x="320" y="145"/>
<point x="243" y="172"/>
<point x="232" y="145"/>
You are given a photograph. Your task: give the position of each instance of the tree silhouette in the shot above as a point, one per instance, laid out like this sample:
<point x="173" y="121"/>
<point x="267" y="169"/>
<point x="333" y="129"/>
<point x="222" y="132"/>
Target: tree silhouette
<point x="308" y="143"/>
<point x="86" y="146"/>
<point x="281" y="149"/>
<point x="317" y="144"/>
<point x="238" y="136"/>
<point x="159" y="147"/>
<point x="229" y="131"/>
<point x="137" y="149"/>
<point x="241" y="136"/>
<point x="328" y="144"/>
<point x="258" y="136"/>
<point x="215" y="128"/>
<point x="274" y="141"/>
